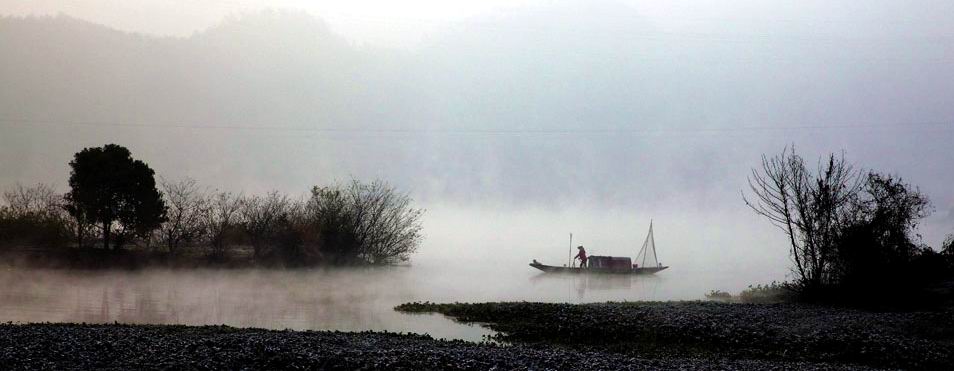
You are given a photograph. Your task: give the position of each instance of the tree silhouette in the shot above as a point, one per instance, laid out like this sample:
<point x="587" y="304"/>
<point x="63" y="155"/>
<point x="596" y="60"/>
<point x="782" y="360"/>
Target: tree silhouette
<point x="948" y="247"/>
<point x="186" y="203"/>
<point x="369" y="223"/>
<point x="108" y="186"/>
<point x="881" y="236"/>
<point x="810" y="207"/>
<point x="221" y="215"/>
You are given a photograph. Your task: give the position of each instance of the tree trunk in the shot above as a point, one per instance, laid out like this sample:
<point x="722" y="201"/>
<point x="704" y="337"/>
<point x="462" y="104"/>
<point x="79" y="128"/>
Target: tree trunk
<point x="106" y="226"/>
<point x="79" y="235"/>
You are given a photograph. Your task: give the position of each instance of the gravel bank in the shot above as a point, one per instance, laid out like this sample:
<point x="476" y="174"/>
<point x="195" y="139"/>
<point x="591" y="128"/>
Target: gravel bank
<point x="68" y="346"/>
<point x="780" y="332"/>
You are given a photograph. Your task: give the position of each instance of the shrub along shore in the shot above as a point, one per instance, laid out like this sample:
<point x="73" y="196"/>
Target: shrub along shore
<point x="115" y="204"/>
<point x="355" y="224"/>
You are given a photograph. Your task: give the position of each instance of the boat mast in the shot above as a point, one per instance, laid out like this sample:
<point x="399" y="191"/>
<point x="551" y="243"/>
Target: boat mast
<point x="569" y="255"/>
<point x="648" y="245"/>
<point x="652" y="240"/>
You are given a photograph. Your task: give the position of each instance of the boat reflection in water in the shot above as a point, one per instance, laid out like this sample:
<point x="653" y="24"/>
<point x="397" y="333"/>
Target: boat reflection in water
<point x="583" y="288"/>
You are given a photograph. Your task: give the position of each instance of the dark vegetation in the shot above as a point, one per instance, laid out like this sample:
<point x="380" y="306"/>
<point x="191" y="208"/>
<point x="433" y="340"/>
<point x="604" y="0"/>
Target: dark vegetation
<point x="852" y="234"/>
<point x="116" y="214"/>
<point x="126" y="347"/>
<point x="108" y="187"/>
<point x="713" y="331"/>
<point x="774" y="292"/>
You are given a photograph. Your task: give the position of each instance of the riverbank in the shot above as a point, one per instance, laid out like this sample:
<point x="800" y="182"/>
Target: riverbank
<point x="637" y="335"/>
<point x="73" y="346"/>
<point x="137" y="257"/>
<point x="722" y="331"/>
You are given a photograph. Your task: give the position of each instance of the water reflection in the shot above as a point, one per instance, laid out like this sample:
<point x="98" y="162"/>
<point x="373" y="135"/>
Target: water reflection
<point x="346" y="300"/>
<point x="583" y="288"/>
<point x="341" y="299"/>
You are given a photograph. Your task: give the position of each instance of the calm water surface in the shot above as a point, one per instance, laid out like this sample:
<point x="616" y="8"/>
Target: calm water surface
<point x="473" y="256"/>
<point x="345" y="299"/>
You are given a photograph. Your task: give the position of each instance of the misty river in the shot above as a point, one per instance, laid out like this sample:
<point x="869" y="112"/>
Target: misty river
<point x="454" y="265"/>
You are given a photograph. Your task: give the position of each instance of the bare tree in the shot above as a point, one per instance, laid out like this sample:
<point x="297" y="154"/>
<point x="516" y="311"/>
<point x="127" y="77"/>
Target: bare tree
<point x="331" y="220"/>
<point x="811" y="208"/>
<point x="386" y="227"/>
<point x="263" y="218"/>
<point x="184" y="223"/>
<point x="34" y="215"/>
<point x="364" y="223"/>
<point x="40" y="199"/>
<point x="220" y="215"/>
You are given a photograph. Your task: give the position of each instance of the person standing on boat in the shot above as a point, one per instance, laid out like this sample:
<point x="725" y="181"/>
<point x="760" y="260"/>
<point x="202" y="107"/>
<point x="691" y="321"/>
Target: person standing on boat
<point x="581" y="255"/>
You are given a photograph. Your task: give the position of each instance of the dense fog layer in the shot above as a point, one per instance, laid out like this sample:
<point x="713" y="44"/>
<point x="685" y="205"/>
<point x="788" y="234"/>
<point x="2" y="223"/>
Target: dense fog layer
<point x="513" y="125"/>
<point x="606" y="111"/>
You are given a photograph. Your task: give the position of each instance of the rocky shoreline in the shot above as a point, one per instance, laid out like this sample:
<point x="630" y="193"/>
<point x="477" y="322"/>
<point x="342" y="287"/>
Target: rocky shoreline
<point x="81" y="346"/>
<point x="538" y="336"/>
<point x="711" y="330"/>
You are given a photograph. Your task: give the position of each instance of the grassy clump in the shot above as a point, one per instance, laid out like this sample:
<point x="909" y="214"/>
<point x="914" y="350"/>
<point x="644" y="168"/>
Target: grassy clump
<point x="772" y="293"/>
<point x="719" y="295"/>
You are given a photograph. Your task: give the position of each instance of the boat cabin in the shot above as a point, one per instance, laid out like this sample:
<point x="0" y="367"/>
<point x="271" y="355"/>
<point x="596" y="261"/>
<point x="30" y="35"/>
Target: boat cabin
<point x="609" y="262"/>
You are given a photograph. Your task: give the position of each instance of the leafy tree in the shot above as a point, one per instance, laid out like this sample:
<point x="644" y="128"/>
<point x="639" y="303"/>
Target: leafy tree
<point x="881" y="234"/>
<point x="948" y="247"/>
<point x="110" y="188"/>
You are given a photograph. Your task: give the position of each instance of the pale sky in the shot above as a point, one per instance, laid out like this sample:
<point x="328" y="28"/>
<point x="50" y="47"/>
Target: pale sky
<point x="406" y="23"/>
<point x="637" y="104"/>
<point x="380" y="22"/>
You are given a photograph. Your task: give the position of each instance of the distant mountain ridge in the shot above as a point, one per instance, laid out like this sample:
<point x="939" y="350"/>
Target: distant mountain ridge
<point x="78" y="67"/>
<point x="587" y="105"/>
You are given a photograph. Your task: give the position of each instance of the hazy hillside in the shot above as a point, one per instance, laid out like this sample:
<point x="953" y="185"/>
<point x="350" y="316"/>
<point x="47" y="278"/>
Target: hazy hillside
<point x="271" y="69"/>
<point x="81" y="84"/>
<point x="581" y="104"/>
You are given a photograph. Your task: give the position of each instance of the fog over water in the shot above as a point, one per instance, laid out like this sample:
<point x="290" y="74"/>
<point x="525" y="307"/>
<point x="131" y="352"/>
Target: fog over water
<point x="512" y="124"/>
<point x="462" y="260"/>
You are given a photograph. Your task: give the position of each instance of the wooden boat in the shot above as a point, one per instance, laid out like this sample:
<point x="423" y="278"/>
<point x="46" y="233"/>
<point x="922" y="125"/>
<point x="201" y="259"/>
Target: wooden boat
<point x="648" y="263"/>
<point x="557" y="269"/>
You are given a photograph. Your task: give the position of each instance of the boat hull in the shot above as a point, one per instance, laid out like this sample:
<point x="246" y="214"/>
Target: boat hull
<point x="578" y="270"/>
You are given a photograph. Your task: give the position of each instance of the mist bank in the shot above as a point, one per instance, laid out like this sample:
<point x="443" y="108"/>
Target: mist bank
<point x="536" y="108"/>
